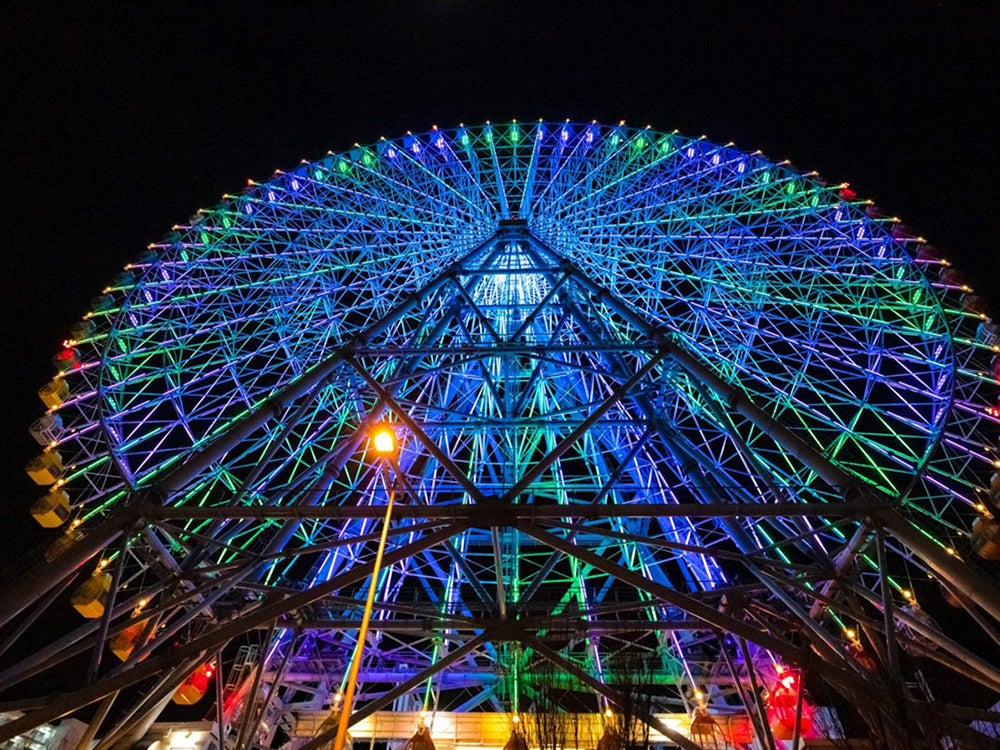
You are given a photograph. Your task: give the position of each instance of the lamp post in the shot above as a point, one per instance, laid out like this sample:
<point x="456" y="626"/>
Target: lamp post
<point x="384" y="442"/>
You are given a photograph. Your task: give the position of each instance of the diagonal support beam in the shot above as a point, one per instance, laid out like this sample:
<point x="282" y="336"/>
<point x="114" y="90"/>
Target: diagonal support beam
<point x="45" y="577"/>
<point x="966" y="580"/>
<point x="30" y="588"/>
<point x="212" y="640"/>
<point x="696" y="608"/>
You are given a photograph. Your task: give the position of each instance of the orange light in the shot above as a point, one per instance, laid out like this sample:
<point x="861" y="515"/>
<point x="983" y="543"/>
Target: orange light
<point x="384" y="440"/>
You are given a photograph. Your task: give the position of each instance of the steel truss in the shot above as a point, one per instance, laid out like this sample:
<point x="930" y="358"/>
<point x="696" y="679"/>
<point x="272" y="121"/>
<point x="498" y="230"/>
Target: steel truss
<point x="660" y="403"/>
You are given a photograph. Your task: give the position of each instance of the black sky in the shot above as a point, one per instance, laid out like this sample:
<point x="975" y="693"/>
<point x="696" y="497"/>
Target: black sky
<point x="118" y="123"/>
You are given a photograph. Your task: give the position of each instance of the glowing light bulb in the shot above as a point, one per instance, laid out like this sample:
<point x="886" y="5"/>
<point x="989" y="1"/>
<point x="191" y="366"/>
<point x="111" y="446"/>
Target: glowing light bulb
<point x="384" y="440"/>
<point x="850" y="633"/>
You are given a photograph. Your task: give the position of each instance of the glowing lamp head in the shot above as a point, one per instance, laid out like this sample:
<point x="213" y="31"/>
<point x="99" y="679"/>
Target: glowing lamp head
<point x="384" y="440"/>
<point x="608" y="713"/>
<point x="517" y="719"/>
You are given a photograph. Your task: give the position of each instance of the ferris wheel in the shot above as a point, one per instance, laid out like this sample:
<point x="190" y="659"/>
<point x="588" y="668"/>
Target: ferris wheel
<point x="659" y="408"/>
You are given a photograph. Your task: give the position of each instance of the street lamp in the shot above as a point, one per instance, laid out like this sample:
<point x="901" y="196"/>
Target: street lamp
<point x="384" y="442"/>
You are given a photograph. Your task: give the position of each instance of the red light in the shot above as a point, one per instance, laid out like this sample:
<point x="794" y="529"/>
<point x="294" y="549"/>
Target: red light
<point x="782" y="708"/>
<point x="66" y="360"/>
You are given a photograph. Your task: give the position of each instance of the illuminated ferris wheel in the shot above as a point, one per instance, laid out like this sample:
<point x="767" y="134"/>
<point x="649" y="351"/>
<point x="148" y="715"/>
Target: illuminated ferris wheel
<point x="662" y="411"/>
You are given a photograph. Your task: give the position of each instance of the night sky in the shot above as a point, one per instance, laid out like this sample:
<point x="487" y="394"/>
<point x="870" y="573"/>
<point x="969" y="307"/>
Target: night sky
<point x="118" y="124"/>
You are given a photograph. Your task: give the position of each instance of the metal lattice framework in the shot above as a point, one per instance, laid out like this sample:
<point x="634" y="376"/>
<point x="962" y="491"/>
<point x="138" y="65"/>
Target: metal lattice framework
<point x="657" y="399"/>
